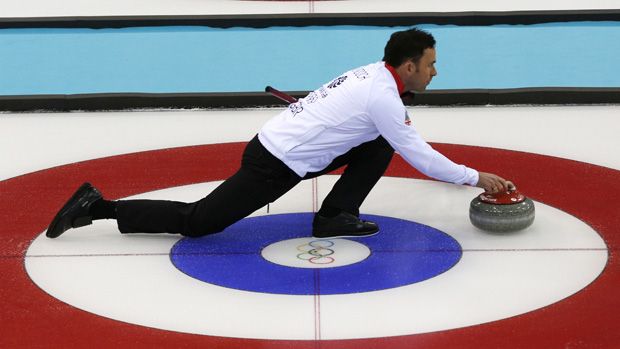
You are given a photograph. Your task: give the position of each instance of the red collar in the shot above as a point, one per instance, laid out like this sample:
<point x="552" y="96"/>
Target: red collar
<point x="399" y="82"/>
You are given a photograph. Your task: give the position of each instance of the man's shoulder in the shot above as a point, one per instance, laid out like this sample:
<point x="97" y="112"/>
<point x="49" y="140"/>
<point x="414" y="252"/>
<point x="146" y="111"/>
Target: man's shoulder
<point x="375" y="76"/>
<point x="370" y="71"/>
<point x="383" y="91"/>
<point x="359" y="81"/>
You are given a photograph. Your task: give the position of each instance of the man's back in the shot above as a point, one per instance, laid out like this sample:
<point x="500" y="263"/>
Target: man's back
<point x="330" y="120"/>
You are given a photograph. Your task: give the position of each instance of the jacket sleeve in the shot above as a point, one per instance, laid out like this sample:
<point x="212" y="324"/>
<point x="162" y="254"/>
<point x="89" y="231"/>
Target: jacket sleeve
<point x="390" y="117"/>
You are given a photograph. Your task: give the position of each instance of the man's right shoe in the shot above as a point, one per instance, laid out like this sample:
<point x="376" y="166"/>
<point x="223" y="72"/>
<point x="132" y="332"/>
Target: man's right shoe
<point x="341" y="226"/>
<point x="76" y="212"/>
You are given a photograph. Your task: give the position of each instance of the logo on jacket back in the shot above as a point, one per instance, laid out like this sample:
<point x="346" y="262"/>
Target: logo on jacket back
<point x="337" y="81"/>
<point x="407" y="118"/>
<point x="295" y="108"/>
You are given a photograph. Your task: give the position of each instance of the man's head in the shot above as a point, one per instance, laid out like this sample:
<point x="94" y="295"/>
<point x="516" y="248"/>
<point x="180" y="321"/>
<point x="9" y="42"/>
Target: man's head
<point x="412" y="53"/>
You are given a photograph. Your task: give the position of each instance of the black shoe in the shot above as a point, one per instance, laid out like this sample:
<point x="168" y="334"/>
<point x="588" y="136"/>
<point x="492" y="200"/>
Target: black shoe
<point x="75" y="213"/>
<point x="341" y="226"/>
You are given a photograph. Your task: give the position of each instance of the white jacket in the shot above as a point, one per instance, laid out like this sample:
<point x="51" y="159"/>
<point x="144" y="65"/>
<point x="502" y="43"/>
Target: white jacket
<point x="353" y="109"/>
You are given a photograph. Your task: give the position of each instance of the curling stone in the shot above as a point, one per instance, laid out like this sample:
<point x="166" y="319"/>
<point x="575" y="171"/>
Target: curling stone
<point x="502" y="212"/>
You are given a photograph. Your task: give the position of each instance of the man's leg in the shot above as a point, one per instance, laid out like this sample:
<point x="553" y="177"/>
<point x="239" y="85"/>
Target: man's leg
<point x="236" y="198"/>
<point x="339" y="211"/>
<point x="261" y="179"/>
<point x="366" y="164"/>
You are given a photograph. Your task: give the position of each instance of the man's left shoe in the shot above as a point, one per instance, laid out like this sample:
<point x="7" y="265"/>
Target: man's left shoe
<point x="75" y="213"/>
<point x="341" y="226"/>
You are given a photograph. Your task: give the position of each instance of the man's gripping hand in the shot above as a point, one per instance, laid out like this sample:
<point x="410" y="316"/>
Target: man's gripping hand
<point x="492" y="183"/>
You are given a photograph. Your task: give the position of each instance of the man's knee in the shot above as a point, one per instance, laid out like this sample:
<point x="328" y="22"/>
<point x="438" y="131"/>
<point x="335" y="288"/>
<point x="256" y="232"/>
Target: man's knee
<point x="384" y="145"/>
<point x="378" y="147"/>
<point x="382" y="150"/>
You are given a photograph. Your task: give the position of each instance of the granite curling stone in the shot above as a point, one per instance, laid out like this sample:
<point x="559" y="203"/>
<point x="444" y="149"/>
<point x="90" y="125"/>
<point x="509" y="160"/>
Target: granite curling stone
<point x="502" y="212"/>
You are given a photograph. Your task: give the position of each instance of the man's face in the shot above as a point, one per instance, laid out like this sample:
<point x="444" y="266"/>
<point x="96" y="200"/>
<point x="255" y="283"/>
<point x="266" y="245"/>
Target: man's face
<point x="419" y="75"/>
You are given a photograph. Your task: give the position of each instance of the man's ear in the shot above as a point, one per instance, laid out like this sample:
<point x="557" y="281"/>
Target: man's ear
<point x="411" y="67"/>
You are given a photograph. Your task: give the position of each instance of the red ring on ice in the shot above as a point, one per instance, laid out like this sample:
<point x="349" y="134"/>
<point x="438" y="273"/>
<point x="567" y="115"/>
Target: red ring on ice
<point x="31" y="318"/>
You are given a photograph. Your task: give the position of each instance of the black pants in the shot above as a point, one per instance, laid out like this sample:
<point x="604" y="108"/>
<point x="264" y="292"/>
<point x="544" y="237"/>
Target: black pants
<point x="262" y="179"/>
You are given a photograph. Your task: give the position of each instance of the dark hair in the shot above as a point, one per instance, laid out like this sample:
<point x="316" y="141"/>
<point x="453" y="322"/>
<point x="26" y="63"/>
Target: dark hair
<point x="407" y="44"/>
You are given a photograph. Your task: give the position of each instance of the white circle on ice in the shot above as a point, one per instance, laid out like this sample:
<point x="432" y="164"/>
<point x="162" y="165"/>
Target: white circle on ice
<point x="315" y="253"/>
<point x="130" y="278"/>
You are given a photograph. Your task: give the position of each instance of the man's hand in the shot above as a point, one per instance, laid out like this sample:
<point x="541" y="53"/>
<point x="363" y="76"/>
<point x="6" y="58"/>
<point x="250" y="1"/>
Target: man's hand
<point x="493" y="183"/>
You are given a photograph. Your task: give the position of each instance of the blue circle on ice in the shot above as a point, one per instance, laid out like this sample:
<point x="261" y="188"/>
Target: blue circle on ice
<point x="403" y="253"/>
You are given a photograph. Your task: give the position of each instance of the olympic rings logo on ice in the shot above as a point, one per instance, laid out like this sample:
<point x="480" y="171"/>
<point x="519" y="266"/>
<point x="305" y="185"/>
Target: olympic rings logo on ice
<point x="317" y="252"/>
